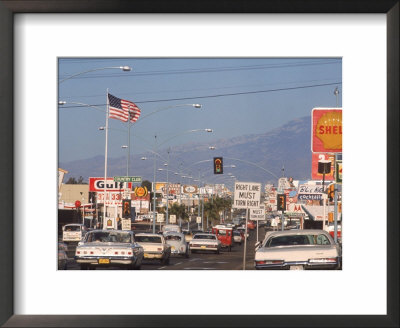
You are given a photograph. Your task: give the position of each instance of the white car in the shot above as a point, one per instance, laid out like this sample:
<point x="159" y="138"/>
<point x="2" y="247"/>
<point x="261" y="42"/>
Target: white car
<point x="205" y="242"/>
<point x="155" y="246"/>
<point x="109" y="248"/>
<point x="171" y="227"/>
<point x="73" y="232"/>
<point x="177" y="242"/>
<point x="297" y="250"/>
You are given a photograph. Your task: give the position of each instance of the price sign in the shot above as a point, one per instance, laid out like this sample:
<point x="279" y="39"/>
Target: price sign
<point x="172" y="218"/>
<point x="160" y="217"/>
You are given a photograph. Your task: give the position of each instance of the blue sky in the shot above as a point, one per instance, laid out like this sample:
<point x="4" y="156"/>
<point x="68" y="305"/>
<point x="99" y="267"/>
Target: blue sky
<point x="239" y="96"/>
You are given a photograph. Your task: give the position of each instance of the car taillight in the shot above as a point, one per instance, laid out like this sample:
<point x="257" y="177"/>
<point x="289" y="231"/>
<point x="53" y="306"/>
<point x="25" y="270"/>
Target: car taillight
<point x="324" y="260"/>
<point x="122" y="253"/>
<point x="116" y="253"/>
<point x="78" y="252"/>
<point x="129" y="253"/>
<point x="91" y="252"/>
<point x="84" y="252"/>
<point x="260" y="262"/>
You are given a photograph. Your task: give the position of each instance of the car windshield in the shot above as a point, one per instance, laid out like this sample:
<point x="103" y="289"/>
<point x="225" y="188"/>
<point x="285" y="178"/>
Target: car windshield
<point x="291" y="240"/>
<point x="236" y="233"/>
<point x="73" y="228"/>
<point x="212" y="237"/>
<point x="109" y="237"/>
<point x="173" y="237"/>
<point x="148" y="239"/>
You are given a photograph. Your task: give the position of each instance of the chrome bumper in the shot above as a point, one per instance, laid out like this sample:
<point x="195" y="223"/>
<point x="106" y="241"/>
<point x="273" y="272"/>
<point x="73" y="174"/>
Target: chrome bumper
<point x="307" y="265"/>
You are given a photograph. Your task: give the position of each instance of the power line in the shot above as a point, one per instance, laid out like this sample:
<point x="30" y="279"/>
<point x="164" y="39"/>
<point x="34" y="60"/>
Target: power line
<point x="207" y="70"/>
<point x="224" y="95"/>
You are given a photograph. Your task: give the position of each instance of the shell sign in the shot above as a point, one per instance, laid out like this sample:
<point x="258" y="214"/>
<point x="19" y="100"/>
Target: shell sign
<point x="326" y="135"/>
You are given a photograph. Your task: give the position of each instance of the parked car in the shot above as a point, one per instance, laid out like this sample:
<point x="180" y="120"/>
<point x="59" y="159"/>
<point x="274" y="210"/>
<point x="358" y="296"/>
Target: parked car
<point x="109" y="248"/>
<point x="297" y="250"/>
<point x="177" y="242"/>
<point x="73" y="232"/>
<point x="62" y="256"/>
<point x="155" y="247"/>
<point x="205" y="242"/>
<point x="238" y="237"/>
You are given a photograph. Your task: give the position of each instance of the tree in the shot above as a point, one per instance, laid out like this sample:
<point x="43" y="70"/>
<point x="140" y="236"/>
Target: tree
<point x="147" y="184"/>
<point x="72" y="180"/>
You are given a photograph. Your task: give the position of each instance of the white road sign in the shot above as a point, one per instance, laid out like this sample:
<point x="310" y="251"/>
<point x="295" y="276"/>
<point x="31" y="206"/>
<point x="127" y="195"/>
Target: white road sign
<point x="247" y="195"/>
<point x="126" y="224"/>
<point x="198" y="219"/>
<point x="160" y="217"/>
<point x="257" y="213"/>
<point x="172" y="218"/>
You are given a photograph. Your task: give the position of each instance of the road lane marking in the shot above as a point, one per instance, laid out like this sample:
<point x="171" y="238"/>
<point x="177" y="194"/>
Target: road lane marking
<point x="178" y="263"/>
<point x="194" y="268"/>
<point x="215" y="262"/>
<point x="161" y="268"/>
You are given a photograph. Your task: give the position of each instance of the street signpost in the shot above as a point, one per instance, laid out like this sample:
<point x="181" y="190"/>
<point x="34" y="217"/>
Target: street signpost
<point x="257" y="215"/>
<point x="172" y="218"/>
<point x="247" y="195"/>
<point x="160" y="218"/>
<point x="128" y="179"/>
<point x="126" y="224"/>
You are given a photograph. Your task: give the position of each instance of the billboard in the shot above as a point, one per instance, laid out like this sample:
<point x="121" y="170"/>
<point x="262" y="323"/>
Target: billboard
<point x="326" y="130"/>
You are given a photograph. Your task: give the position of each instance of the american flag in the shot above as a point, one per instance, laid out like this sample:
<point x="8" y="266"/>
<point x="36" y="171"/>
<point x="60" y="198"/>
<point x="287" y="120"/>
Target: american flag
<point x="121" y="109"/>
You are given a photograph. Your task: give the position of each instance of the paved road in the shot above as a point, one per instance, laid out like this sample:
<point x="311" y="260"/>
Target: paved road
<point x="204" y="261"/>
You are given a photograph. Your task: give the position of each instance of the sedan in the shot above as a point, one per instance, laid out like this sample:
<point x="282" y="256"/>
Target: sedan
<point x="297" y="250"/>
<point x="205" y="242"/>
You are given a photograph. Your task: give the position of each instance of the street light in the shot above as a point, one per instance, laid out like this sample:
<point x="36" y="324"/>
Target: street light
<point x="122" y="68"/>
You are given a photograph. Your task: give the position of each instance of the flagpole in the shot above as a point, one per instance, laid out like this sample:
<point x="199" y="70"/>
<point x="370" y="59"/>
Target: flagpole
<point x="129" y="140"/>
<point x="105" y="165"/>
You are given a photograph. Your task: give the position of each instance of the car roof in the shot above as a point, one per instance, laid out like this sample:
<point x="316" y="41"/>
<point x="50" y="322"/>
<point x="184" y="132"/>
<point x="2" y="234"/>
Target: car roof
<point x="296" y="232"/>
<point x="148" y="234"/>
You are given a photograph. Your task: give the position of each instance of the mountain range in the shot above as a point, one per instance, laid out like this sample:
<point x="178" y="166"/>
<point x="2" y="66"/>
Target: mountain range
<point x="257" y="158"/>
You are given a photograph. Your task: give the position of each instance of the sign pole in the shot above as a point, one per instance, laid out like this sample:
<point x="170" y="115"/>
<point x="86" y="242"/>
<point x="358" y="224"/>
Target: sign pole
<point x="257" y="231"/>
<point x="245" y="240"/>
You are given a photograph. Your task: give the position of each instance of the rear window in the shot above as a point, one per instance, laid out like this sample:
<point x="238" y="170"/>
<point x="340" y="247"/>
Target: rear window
<point x="109" y="237"/>
<point x="293" y="240"/>
<point x="198" y="236"/>
<point x="148" y="239"/>
<point x="73" y="228"/>
<point x="177" y="238"/>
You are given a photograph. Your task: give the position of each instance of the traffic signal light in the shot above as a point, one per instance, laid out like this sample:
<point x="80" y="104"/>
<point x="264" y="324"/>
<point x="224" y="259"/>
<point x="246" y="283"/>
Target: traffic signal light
<point x="126" y="208"/>
<point x="218" y="165"/>
<point x="281" y="205"/>
<point x="331" y="192"/>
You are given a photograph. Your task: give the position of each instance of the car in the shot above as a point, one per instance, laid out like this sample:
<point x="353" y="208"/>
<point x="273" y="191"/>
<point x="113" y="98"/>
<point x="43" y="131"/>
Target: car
<point x="171" y="227"/>
<point x="73" y="232"/>
<point x="109" y="248"/>
<point x="298" y="250"/>
<point x="238" y="237"/>
<point x="224" y="235"/>
<point x="243" y="231"/>
<point x="205" y="242"/>
<point x="62" y="256"/>
<point x="155" y="247"/>
<point x="251" y="225"/>
<point x="178" y="244"/>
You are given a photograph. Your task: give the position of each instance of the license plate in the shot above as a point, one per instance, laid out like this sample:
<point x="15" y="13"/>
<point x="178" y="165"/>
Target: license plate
<point x="296" y="267"/>
<point x="104" y="261"/>
<point x="203" y="246"/>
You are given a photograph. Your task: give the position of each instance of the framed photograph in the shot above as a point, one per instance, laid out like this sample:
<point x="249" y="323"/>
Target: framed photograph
<point x="40" y="37"/>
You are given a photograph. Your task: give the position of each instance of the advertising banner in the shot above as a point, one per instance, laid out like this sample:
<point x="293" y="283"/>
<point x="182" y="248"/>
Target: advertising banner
<point x="326" y="130"/>
<point x="113" y="198"/>
<point x="314" y="166"/>
<point x="190" y="189"/>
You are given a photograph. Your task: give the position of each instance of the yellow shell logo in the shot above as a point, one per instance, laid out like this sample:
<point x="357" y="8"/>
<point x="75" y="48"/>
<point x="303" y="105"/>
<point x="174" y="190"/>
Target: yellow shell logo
<point x="329" y="130"/>
<point x="141" y="191"/>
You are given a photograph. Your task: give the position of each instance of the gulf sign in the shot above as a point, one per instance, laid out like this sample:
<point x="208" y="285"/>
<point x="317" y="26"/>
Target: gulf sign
<point x="326" y="130"/>
<point x="97" y="184"/>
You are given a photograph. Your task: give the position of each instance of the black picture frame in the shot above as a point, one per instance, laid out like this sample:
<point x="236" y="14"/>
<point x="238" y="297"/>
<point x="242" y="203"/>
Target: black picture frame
<point x="7" y="10"/>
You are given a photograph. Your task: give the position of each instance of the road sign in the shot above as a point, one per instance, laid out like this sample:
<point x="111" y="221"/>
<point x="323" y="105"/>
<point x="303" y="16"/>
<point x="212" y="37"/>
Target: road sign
<point x="247" y="195"/>
<point x="172" y="218"/>
<point x="128" y="179"/>
<point x="126" y="224"/>
<point x="198" y="219"/>
<point x="160" y="217"/>
<point x="257" y="213"/>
